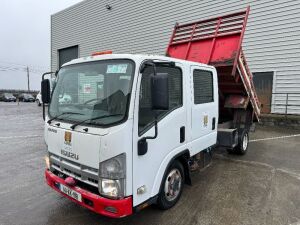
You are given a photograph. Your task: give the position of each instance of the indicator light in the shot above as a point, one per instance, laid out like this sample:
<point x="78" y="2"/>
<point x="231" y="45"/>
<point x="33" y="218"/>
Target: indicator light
<point x="102" y="53"/>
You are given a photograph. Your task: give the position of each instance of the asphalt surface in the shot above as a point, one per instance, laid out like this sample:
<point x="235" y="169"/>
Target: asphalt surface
<point x="262" y="187"/>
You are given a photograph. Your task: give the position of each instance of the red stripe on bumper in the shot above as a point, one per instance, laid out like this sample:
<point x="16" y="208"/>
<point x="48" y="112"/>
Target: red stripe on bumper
<point x="123" y="207"/>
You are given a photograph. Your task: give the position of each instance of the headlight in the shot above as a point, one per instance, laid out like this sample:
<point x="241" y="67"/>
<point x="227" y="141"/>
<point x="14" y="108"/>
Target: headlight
<point x="112" y="177"/>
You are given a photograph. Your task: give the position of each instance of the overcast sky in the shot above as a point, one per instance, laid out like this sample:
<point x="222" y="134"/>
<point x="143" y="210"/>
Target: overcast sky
<point x="25" y="40"/>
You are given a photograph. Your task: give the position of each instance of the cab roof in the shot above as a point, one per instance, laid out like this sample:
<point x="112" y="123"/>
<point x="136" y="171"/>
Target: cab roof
<point x="134" y="57"/>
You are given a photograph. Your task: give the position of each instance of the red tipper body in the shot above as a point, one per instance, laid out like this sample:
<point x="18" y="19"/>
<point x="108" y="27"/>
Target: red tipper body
<point x="96" y="203"/>
<point x="217" y="42"/>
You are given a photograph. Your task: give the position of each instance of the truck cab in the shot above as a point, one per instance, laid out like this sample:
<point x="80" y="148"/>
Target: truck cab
<point x="124" y="139"/>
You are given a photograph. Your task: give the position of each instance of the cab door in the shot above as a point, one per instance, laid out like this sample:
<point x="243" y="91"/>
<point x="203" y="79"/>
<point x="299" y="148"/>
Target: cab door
<point x="148" y="168"/>
<point x="204" y="108"/>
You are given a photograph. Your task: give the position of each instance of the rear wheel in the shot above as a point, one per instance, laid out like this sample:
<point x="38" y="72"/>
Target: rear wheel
<point x="242" y="147"/>
<point x="171" y="187"/>
<point x="243" y="143"/>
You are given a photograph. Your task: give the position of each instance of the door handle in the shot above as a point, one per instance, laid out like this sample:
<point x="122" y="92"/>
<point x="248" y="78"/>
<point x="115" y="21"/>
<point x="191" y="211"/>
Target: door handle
<point x="213" y="123"/>
<point x="182" y="134"/>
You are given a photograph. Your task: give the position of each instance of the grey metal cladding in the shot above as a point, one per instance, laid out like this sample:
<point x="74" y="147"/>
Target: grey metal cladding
<point x="272" y="39"/>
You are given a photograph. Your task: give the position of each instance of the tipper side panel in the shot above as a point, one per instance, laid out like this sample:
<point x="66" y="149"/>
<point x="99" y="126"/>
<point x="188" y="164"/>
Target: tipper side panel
<point x="217" y="42"/>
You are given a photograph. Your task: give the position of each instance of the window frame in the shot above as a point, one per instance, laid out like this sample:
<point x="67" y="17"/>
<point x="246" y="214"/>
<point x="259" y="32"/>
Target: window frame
<point x="212" y="85"/>
<point x="151" y="124"/>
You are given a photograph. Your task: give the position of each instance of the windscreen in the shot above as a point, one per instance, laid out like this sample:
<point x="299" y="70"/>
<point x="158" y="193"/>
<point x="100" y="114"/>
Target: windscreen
<point x="91" y="90"/>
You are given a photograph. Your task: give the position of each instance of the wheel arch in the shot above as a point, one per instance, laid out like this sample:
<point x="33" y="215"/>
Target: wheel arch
<point x="182" y="157"/>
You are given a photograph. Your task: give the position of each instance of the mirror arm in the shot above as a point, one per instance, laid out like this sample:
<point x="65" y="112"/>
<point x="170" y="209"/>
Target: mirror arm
<point x="155" y="130"/>
<point x="44" y="74"/>
<point x="44" y="117"/>
<point x="149" y="63"/>
<point x="142" y="143"/>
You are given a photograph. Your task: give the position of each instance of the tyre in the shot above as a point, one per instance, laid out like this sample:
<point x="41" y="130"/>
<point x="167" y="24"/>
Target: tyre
<point x="242" y="147"/>
<point x="38" y="103"/>
<point x="171" y="186"/>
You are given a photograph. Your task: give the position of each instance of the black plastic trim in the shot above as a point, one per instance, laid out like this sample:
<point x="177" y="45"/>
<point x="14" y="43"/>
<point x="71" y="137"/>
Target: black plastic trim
<point x="184" y="162"/>
<point x="142" y="205"/>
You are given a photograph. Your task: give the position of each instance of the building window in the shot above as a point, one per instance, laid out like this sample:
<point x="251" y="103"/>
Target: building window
<point x="203" y="86"/>
<point x="146" y="114"/>
<point x="67" y="54"/>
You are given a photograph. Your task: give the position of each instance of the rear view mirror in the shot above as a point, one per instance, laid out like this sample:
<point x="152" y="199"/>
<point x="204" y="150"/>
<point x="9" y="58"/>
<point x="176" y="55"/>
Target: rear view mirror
<point x="45" y="91"/>
<point x="160" y="91"/>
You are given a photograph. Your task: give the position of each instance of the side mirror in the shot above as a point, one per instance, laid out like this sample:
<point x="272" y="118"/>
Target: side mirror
<point x="160" y="91"/>
<point x="45" y="91"/>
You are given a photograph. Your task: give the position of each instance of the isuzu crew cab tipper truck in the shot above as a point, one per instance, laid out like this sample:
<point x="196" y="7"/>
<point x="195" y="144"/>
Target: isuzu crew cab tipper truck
<point x="134" y="125"/>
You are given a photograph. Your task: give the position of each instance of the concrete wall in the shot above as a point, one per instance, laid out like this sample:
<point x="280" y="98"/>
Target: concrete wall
<point x="272" y="39"/>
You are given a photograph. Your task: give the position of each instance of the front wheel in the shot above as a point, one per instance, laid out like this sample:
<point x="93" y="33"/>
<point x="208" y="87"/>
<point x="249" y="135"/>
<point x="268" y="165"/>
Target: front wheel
<point x="171" y="187"/>
<point x="38" y="102"/>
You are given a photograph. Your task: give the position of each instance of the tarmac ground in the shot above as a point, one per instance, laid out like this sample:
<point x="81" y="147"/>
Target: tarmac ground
<point x="262" y="187"/>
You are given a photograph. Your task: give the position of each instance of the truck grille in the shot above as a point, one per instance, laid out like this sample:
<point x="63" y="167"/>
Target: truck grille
<point x="80" y="172"/>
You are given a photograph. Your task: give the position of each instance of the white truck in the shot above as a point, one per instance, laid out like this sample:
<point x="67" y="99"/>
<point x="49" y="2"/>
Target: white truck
<point x="136" y="124"/>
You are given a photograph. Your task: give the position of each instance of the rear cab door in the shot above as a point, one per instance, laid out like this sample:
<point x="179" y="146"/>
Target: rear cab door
<point x="204" y="107"/>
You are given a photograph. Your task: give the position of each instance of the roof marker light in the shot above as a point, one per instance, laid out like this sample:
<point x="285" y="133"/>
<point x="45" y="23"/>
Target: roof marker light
<point x="102" y="53"/>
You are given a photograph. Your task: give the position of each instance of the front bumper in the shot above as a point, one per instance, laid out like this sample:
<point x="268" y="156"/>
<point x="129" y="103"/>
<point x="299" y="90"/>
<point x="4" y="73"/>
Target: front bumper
<point x="96" y="203"/>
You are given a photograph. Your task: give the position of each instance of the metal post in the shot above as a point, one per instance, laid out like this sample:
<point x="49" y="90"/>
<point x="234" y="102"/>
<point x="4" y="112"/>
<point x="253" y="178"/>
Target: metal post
<point x="28" y="82"/>
<point x="286" y="106"/>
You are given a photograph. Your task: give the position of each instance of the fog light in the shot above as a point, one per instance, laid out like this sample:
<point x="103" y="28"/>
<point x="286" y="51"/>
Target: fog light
<point x="111" y="209"/>
<point x="88" y="202"/>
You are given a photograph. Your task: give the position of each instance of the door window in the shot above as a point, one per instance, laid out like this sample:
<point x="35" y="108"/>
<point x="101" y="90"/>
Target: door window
<point x="146" y="114"/>
<point x="203" y="86"/>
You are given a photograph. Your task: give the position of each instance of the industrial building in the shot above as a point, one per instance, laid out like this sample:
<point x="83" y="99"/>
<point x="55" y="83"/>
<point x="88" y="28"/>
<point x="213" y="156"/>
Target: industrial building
<point x="271" y="43"/>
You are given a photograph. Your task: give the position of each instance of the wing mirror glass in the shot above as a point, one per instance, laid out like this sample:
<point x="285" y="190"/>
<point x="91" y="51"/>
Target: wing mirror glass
<point x="45" y="91"/>
<point x="160" y="91"/>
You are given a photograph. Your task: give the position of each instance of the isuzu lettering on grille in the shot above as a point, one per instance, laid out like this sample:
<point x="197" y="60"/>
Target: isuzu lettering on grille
<point x="52" y="130"/>
<point x="69" y="154"/>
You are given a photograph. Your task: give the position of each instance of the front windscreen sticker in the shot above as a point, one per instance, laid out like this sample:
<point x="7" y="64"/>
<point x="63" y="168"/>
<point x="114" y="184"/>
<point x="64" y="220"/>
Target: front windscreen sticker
<point x="119" y="68"/>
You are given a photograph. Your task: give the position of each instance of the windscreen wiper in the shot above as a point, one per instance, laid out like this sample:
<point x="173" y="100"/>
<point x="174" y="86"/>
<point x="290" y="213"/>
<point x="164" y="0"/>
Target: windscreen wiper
<point x="64" y="113"/>
<point x="94" y="118"/>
